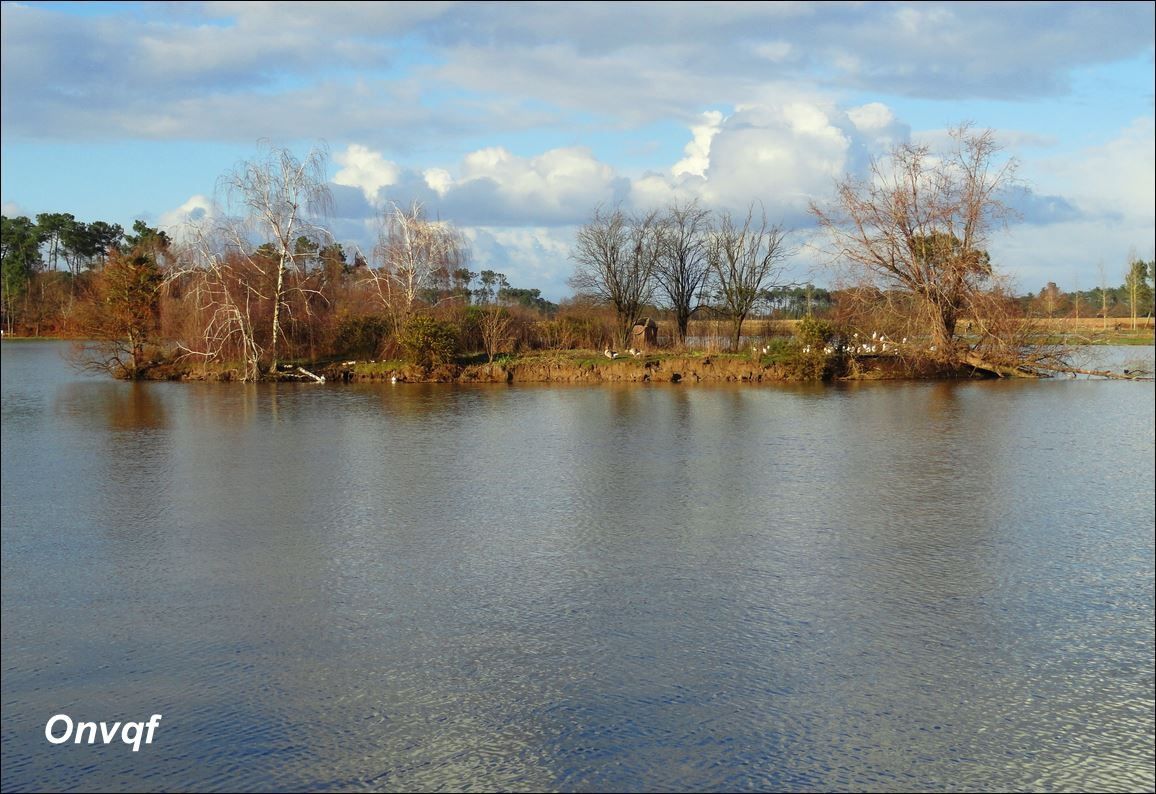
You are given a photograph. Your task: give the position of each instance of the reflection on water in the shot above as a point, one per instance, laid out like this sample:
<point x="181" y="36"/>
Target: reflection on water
<point x="870" y="587"/>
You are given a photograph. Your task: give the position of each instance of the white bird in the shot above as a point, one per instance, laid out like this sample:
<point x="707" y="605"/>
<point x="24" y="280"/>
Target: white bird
<point x="635" y="352"/>
<point x="610" y="353"/>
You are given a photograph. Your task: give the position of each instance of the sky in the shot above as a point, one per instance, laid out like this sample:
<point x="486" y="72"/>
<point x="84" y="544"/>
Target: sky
<point x="515" y="121"/>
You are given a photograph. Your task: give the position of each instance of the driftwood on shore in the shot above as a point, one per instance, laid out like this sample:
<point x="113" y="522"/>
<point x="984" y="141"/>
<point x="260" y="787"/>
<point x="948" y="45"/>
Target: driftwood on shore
<point x="291" y="372"/>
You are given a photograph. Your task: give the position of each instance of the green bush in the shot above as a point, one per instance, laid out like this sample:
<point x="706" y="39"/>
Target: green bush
<point x="814" y="333"/>
<point x="361" y="336"/>
<point x="428" y="342"/>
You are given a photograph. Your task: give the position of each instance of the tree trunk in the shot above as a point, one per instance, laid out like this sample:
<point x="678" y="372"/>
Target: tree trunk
<point x="683" y="322"/>
<point x="277" y="314"/>
<point x="738" y="332"/>
<point x="627" y="331"/>
<point x="943" y="331"/>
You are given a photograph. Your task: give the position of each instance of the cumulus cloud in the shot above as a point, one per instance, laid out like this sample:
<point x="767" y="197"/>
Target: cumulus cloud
<point x="180" y="223"/>
<point x="439" y="180"/>
<point x="366" y="170"/>
<point x="698" y="150"/>
<point x="496" y="187"/>
<point x="520" y="212"/>
<point x="782" y="156"/>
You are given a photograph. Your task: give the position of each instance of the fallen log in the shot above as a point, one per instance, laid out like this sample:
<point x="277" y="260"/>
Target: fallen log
<point x="1137" y="374"/>
<point x="1037" y="369"/>
<point x="1001" y="370"/>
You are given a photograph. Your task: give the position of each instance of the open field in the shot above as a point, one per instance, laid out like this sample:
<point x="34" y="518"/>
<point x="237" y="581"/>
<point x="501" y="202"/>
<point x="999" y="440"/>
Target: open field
<point x="715" y="334"/>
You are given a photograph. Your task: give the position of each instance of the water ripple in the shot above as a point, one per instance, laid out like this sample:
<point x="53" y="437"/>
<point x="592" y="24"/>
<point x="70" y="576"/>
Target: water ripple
<point x="877" y="587"/>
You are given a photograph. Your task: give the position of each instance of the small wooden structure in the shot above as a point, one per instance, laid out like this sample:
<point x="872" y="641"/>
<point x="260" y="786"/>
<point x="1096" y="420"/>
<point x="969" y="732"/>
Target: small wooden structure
<point x="644" y="334"/>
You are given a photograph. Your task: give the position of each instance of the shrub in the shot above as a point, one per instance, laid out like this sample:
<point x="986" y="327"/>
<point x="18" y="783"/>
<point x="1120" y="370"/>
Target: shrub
<point x="814" y="333"/>
<point x="428" y="342"/>
<point x="362" y="335"/>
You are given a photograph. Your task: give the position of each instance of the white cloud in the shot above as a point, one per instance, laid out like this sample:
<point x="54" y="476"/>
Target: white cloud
<point x="780" y="155"/>
<point x="530" y="257"/>
<point x="877" y="120"/>
<point x="1115" y="179"/>
<point x="698" y="150"/>
<point x="439" y="180"/>
<point x="497" y="187"/>
<point x="367" y="170"/>
<point x="520" y="212"/>
<point x="1113" y="188"/>
<point x="784" y="156"/>
<point x="180" y="223"/>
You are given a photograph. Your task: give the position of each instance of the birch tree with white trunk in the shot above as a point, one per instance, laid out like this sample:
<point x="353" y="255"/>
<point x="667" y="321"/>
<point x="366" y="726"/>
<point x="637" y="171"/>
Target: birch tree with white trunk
<point x="272" y="201"/>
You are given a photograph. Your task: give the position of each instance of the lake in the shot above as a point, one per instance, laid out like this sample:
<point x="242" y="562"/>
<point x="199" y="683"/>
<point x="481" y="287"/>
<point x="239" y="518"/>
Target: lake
<point x="917" y="586"/>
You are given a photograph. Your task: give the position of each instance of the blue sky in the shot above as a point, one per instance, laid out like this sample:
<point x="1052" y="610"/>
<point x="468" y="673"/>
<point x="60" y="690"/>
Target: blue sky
<point x="515" y="120"/>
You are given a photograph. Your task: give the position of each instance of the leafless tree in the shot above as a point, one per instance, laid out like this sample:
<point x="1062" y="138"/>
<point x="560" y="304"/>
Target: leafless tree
<point x="270" y="203"/>
<point x="615" y="258"/>
<point x="223" y="290"/>
<point x="410" y="250"/>
<point x="494" y="324"/>
<point x="746" y="260"/>
<point x="919" y="223"/>
<point x="683" y="267"/>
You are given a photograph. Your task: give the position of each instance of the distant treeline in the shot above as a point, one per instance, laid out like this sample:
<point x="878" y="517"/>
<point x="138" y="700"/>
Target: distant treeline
<point x="1051" y="301"/>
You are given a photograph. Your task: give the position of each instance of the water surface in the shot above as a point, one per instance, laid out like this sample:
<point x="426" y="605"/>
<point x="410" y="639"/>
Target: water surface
<point x="871" y="587"/>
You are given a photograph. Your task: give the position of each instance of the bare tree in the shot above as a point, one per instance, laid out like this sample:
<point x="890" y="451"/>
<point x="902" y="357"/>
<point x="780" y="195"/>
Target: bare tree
<point x="411" y="249"/>
<point x="494" y="324"/>
<point x="919" y="225"/>
<point x="275" y="200"/>
<point x="683" y="267"/>
<point x="224" y="289"/>
<point x="616" y="257"/>
<point x="746" y="260"/>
